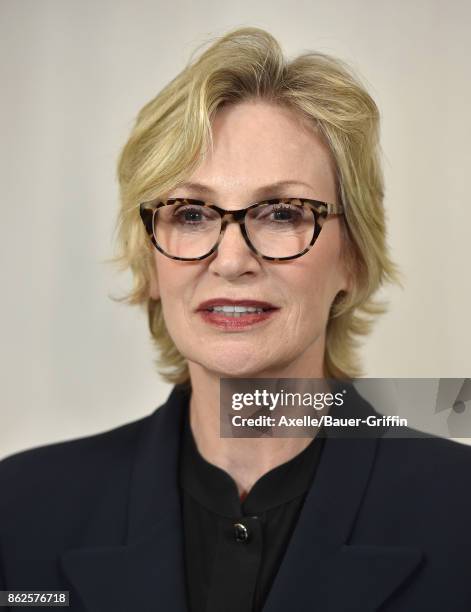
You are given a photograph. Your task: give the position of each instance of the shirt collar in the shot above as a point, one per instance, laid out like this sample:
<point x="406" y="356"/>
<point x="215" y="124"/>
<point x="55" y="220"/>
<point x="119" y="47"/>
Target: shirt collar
<point x="216" y="490"/>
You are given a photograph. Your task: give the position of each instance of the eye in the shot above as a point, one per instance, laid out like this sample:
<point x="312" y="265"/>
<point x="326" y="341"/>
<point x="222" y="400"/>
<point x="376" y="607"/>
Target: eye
<point x="285" y="212"/>
<point x="183" y="213"/>
<point x="279" y="212"/>
<point x="188" y="214"/>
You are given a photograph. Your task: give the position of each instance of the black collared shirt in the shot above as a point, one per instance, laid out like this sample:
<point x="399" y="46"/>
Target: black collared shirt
<point x="233" y="550"/>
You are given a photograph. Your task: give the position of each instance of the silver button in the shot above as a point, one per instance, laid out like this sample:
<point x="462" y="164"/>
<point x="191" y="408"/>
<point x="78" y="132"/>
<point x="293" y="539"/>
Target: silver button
<point x="241" y="532"/>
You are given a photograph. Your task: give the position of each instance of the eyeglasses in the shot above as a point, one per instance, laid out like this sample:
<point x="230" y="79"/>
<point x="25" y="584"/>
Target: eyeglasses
<point x="276" y="229"/>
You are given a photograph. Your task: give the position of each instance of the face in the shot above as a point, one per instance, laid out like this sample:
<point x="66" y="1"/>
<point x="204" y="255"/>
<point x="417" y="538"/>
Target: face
<point x="256" y="144"/>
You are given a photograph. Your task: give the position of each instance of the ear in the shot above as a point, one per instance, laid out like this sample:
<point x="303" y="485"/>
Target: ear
<point x="348" y="259"/>
<point x="349" y="278"/>
<point x="154" y="292"/>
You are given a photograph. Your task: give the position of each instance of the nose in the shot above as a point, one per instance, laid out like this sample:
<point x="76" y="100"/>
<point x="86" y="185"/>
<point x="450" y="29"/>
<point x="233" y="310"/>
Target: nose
<point x="233" y="257"/>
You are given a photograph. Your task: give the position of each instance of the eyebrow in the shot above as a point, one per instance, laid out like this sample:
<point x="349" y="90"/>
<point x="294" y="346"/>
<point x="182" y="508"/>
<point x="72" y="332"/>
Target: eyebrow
<point x="259" y="193"/>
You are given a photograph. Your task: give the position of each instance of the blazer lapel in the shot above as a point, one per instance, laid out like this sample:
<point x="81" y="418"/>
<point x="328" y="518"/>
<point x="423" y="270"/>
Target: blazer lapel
<point x="146" y="571"/>
<point x="320" y="570"/>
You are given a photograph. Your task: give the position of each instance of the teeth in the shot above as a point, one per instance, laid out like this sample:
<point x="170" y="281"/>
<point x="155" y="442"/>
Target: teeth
<point x="235" y="310"/>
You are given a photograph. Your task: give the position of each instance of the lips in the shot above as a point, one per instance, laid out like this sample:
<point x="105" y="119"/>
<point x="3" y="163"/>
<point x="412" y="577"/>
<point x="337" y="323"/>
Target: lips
<point x="219" y="303"/>
<point x="236" y="315"/>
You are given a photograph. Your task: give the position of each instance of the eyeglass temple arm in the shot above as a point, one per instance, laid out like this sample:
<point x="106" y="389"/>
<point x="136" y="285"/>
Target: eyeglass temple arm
<point x="335" y="209"/>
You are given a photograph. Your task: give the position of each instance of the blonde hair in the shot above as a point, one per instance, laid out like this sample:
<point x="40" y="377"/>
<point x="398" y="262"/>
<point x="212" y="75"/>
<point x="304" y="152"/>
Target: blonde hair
<point x="173" y="130"/>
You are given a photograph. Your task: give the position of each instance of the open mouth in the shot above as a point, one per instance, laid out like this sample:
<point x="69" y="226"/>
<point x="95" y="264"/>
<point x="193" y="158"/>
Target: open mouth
<point x="236" y="318"/>
<point x="237" y="311"/>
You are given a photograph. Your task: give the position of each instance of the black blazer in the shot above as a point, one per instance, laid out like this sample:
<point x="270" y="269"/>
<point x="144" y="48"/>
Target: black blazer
<point x="385" y="527"/>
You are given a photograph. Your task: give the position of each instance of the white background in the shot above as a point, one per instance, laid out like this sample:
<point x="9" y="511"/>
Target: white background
<point x="74" y="75"/>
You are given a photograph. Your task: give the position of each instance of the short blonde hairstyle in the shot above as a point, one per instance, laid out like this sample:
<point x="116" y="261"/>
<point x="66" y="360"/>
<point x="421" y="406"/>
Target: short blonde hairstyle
<point x="173" y="131"/>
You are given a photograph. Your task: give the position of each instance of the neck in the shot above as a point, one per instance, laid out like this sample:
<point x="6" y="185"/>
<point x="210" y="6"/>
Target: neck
<point x="244" y="459"/>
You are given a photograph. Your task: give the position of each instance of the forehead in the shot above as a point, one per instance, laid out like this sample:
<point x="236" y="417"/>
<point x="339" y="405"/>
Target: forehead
<point x="257" y="142"/>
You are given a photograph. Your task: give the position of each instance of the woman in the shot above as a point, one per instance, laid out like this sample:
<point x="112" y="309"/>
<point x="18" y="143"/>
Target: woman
<point x="252" y="221"/>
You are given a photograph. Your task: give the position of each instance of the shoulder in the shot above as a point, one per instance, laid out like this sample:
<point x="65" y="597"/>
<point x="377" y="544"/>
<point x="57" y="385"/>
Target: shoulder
<point x="420" y="449"/>
<point x="412" y="456"/>
<point x="428" y="467"/>
<point x="56" y="456"/>
<point x="68" y="470"/>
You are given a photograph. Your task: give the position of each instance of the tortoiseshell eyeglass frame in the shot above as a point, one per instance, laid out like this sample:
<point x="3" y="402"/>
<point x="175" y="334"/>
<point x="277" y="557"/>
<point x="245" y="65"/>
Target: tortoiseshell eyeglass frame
<point x="320" y="210"/>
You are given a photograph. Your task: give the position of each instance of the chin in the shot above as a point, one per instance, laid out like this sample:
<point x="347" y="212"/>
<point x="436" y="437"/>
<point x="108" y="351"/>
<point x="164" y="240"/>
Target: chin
<point x="250" y="368"/>
<point x="241" y="358"/>
<point x="233" y="366"/>
<point x="236" y="369"/>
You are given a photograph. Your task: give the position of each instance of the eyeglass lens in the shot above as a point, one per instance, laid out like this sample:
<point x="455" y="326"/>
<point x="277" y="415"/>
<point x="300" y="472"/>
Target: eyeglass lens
<point x="280" y="229"/>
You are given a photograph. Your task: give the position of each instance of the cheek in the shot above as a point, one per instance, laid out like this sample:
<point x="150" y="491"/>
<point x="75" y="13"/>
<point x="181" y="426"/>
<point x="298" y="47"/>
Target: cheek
<point x="319" y="277"/>
<point x="176" y="281"/>
<point x="171" y="277"/>
<point x="330" y="260"/>
<point x="314" y="297"/>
